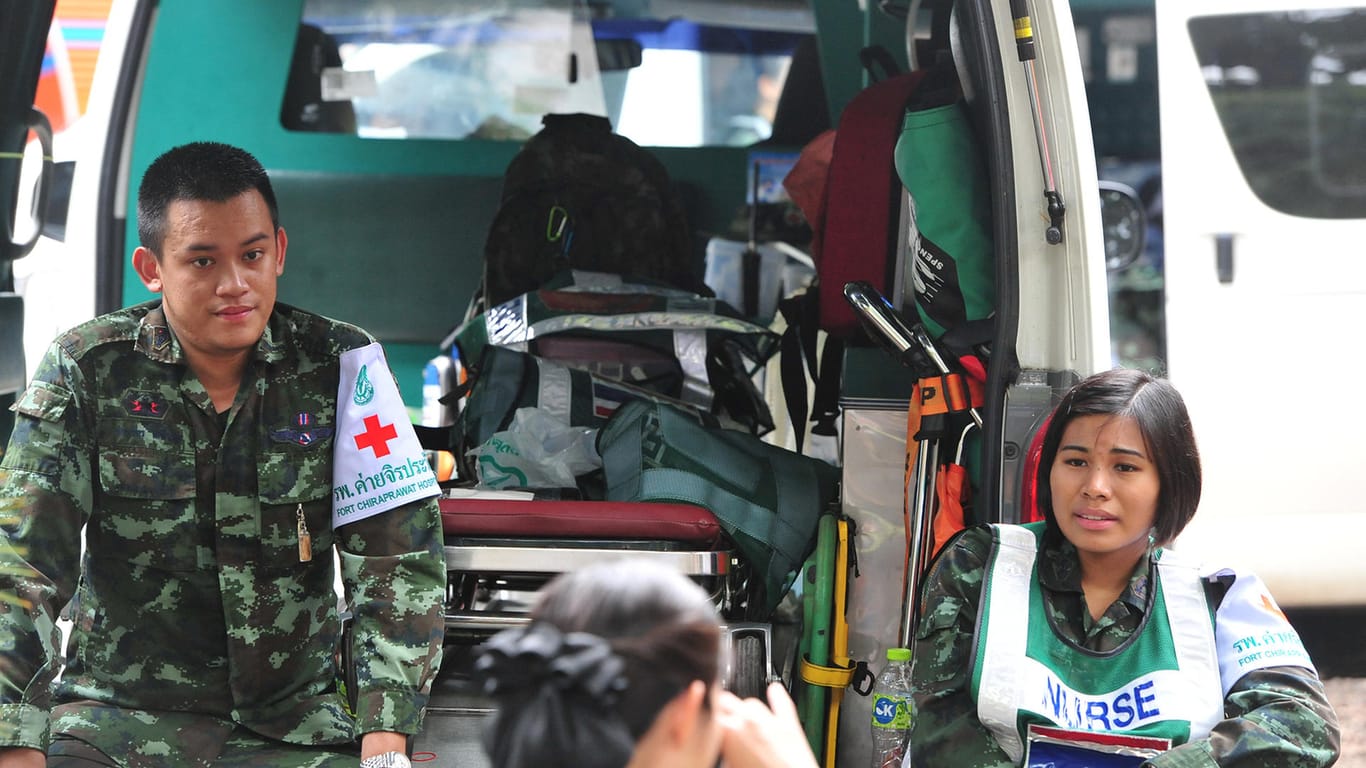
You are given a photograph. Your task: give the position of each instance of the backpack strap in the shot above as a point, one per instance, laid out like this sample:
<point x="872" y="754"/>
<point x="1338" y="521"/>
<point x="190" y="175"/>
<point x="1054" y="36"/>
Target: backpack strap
<point x="798" y="356"/>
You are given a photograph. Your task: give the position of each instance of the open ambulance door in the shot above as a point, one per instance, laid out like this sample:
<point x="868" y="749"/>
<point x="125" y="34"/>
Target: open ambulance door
<point x="23" y="34"/>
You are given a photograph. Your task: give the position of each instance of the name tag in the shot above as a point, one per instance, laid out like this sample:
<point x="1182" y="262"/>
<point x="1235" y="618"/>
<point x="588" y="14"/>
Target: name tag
<point x="1062" y="748"/>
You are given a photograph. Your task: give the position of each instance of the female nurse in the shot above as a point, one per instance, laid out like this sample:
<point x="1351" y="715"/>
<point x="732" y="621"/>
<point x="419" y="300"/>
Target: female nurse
<point x="1088" y="621"/>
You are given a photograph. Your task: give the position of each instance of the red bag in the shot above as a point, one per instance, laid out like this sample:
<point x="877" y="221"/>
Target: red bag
<point x="855" y="219"/>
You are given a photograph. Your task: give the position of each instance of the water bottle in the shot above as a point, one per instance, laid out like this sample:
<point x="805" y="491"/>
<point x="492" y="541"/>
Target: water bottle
<point x="892" y="708"/>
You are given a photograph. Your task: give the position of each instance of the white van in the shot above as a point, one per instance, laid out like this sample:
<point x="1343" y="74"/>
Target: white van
<point x="1263" y="106"/>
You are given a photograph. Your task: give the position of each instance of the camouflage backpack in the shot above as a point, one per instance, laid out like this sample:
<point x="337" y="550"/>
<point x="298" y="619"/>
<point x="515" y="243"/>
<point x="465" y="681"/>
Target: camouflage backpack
<point x="578" y="196"/>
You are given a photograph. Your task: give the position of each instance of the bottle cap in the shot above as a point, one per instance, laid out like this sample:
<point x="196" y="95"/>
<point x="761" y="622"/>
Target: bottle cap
<point x="898" y="654"/>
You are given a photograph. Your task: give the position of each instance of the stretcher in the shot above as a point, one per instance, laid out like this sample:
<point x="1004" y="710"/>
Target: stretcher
<point x="499" y="551"/>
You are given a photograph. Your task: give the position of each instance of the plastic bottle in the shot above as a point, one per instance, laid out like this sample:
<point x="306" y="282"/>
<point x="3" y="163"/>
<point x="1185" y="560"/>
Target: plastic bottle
<point x="892" y="709"/>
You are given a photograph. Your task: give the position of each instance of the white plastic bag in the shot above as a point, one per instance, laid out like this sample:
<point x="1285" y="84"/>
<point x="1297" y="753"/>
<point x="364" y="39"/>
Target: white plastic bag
<point x="536" y="451"/>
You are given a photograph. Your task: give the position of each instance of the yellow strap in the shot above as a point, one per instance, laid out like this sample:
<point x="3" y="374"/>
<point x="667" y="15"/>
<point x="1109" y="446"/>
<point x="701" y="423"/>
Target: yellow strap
<point x="826" y="677"/>
<point x="841" y="650"/>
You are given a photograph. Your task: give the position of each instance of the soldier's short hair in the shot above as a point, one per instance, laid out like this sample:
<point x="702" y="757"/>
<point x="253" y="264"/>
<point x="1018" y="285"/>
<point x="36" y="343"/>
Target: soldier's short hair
<point x="201" y="170"/>
<point x="1160" y="413"/>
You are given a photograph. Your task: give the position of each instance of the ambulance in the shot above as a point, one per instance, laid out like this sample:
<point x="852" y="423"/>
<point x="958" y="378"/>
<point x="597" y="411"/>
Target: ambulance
<point x="387" y="127"/>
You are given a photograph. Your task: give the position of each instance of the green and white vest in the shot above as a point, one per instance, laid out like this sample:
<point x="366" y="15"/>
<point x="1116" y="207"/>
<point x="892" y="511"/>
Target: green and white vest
<point x="1164" y="681"/>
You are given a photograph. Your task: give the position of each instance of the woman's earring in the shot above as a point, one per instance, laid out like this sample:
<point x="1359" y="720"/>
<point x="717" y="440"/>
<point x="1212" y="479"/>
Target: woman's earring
<point x="1152" y="538"/>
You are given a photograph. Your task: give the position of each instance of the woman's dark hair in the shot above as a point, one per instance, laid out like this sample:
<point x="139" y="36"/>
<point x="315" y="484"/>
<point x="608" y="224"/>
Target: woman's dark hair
<point x="202" y="170"/>
<point x="1160" y="413"/>
<point x="608" y="647"/>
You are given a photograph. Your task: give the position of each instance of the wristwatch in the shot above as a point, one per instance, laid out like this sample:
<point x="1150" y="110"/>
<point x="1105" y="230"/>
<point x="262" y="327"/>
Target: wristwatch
<point x="387" y="760"/>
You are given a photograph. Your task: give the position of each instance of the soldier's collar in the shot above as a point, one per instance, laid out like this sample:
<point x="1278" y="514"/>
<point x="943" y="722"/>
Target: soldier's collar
<point x="276" y="338"/>
<point x="156" y="339"/>
<point x="1060" y="571"/>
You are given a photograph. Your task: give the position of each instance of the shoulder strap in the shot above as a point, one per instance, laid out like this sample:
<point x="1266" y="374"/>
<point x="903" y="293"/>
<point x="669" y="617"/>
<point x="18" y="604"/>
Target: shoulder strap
<point x="1192" y="627"/>
<point x="1005" y="622"/>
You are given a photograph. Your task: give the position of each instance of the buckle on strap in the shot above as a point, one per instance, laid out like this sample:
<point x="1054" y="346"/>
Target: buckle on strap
<point x="828" y="677"/>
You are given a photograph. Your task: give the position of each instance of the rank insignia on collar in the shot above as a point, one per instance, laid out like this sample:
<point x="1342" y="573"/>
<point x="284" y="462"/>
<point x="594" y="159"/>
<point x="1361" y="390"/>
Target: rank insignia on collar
<point x="304" y="431"/>
<point x="145" y="405"/>
<point x="161" y="337"/>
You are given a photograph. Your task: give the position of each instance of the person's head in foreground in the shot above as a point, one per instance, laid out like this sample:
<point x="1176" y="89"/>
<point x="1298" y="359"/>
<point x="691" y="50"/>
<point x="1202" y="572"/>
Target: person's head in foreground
<point x="618" y="667"/>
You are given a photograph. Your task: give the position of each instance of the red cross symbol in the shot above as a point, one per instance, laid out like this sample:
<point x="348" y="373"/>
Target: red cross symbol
<point x="376" y="437"/>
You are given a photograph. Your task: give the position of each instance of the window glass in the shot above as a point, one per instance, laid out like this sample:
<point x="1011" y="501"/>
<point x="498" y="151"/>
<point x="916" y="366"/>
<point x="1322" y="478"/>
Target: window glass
<point x="1290" y="91"/>
<point x="666" y="73"/>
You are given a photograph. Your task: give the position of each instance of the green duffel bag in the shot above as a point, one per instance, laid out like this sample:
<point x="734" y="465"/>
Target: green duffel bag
<point x="768" y="499"/>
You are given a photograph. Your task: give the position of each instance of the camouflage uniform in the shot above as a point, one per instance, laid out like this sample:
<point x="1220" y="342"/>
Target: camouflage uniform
<point x="1278" y="716"/>
<point x="196" y="627"/>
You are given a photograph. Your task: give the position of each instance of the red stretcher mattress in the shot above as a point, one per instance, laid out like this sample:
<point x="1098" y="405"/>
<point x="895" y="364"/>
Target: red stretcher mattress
<point x="547" y="519"/>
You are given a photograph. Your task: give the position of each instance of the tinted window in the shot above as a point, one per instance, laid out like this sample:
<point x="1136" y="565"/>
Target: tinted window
<point x="706" y="73"/>
<point x="1290" y="91"/>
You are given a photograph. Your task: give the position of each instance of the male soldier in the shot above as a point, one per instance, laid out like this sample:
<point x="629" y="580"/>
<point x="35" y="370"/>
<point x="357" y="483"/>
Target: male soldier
<point x="192" y="438"/>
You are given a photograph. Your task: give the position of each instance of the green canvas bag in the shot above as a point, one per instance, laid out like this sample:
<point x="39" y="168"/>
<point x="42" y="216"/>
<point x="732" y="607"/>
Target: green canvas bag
<point x="768" y="499"/>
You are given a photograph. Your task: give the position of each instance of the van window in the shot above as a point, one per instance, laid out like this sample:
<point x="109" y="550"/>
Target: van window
<point x="706" y="73"/>
<point x="1290" y="91"/>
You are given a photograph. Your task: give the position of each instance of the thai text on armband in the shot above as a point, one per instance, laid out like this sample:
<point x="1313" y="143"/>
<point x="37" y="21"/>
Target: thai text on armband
<point x="1267" y="638"/>
<point x="389" y="473"/>
<point x="377" y="499"/>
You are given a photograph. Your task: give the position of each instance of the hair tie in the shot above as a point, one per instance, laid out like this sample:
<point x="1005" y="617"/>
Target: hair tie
<point x="540" y="654"/>
<point x="556" y="695"/>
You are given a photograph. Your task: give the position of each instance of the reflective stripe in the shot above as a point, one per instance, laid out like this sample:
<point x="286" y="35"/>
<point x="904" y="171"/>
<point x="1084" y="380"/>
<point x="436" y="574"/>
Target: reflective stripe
<point x="506" y="324"/>
<point x="633" y="321"/>
<point x="690" y="347"/>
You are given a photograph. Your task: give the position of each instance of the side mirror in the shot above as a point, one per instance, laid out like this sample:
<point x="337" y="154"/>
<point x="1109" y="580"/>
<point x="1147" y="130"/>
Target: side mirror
<point x="1125" y="225"/>
<point x="38" y="165"/>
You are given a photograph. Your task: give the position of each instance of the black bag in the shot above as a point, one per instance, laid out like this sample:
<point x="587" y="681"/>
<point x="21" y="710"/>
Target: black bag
<point x="578" y="196"/>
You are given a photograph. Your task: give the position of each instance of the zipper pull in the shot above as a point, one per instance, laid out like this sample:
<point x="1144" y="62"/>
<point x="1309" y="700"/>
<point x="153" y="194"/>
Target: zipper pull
<point x="305" y="540"/>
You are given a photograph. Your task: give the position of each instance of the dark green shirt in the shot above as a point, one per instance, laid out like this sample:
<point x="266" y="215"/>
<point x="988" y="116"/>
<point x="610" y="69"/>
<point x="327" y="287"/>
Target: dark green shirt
<point x="1279" y="716"/>
<point x="192" y="599"/>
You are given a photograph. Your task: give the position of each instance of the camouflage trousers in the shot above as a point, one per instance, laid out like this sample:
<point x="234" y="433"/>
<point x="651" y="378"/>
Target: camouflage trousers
<point x="99" y="735"/>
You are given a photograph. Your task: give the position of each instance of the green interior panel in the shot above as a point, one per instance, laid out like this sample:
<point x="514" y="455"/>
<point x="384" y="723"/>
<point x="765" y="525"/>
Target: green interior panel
<point x="397" y="255"/>
<point x="387" y="234"/>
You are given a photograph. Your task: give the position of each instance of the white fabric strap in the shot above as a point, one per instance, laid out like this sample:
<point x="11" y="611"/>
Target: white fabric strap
<point x="690" y="347"/>
<point x="1188" y="615"/>
<point x="1007" y="635"/>
<point x="555" y="392"/>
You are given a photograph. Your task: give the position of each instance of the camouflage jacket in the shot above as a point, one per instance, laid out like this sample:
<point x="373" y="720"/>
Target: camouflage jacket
<point x="1279" y="716"/>
<point x="190" y="597"/>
